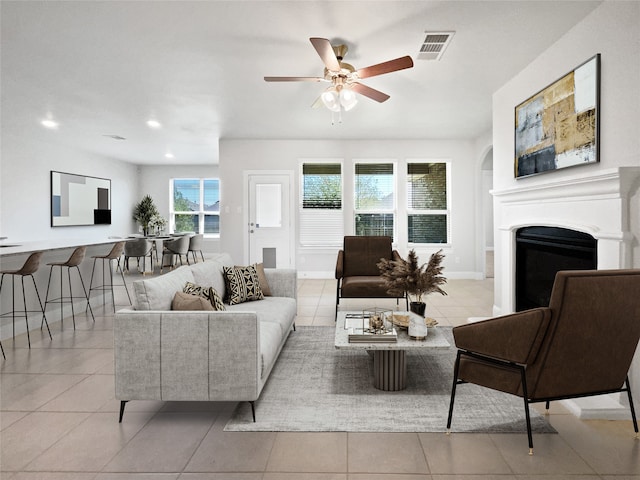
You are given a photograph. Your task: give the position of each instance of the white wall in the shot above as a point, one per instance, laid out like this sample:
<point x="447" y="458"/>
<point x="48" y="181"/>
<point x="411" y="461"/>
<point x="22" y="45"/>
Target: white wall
<point x="154" y="180"/>
<point x="236" y="156"/>
<point x="25" y="198"/>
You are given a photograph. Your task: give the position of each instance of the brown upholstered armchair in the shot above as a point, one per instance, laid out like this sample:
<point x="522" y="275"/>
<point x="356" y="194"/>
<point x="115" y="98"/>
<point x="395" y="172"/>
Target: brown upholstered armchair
<point x="356" y="268"/>
<point x="581" y="345"/>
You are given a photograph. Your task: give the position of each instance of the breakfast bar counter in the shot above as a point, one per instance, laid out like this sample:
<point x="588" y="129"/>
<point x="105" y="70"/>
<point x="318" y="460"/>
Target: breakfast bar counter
<point x="9" y="248"/>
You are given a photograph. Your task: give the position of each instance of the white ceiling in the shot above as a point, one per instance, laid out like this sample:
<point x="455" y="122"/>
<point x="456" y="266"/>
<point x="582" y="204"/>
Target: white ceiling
<point x="105" y="68"/>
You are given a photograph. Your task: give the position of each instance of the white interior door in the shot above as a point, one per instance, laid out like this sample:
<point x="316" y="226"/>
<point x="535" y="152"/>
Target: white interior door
<point x="270" y="229"/>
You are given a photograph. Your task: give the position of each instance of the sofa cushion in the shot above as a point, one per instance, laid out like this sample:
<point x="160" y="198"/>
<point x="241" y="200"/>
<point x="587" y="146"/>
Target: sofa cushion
<point x="157" y="293"/>
<point x="188" y="301"/>
<point x="209" y="273"/>
<point x="242" y="284"/>
<point x="276" y="310"/>
<point x="209" y="293"/>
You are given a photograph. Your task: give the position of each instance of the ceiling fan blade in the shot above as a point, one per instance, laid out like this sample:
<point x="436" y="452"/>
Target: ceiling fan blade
<point x="372" y="93"/>
<point x="318" y="103"/>
<point x="325" y="50"/>
<point x="386" y="67"/>
<point x="294" y="79"/>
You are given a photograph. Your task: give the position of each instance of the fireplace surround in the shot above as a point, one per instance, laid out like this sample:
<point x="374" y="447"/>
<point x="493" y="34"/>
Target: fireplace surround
<point x="601" y="204"/>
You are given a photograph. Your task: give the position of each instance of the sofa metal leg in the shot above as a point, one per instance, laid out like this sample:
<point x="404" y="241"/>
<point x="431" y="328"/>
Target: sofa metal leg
<point x="253" y="410"/>
<point x="122" y="404"/>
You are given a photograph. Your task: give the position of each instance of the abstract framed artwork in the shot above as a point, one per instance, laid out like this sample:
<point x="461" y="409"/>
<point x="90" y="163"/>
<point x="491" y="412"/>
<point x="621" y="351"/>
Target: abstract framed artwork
<point x="79" y="200"/>
<point x="559" y="126"/>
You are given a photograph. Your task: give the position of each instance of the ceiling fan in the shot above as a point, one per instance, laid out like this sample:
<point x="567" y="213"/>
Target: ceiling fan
<point x="344" y="77"/>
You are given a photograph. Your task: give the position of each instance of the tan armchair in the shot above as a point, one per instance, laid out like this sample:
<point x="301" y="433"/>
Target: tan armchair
<point x="581" y="345"/>
<point x="357" y="272"/>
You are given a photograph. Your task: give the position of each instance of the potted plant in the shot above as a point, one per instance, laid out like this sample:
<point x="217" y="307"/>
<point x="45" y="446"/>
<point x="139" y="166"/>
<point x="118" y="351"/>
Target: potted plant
<point x="407" y="276"/>
<point x="143" y="212"/>
<point x="158" y="224"/>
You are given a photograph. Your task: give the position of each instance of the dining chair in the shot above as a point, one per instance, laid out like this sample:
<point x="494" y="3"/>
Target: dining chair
<point x="175" y="248"/>
<point x="195" y="245"/>
<point x="138" y="248"/>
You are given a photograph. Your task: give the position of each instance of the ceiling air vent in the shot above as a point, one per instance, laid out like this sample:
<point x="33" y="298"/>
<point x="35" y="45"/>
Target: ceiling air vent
<point x="115" y="137"/>
<point x="434" y="45"/>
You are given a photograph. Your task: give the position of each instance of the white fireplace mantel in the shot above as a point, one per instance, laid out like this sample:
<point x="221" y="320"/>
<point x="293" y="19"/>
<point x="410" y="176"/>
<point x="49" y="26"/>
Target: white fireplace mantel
<point x="594" y="203"/>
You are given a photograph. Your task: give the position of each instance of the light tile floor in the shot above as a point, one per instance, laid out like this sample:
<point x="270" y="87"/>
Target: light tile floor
<point x="58" y="421"/>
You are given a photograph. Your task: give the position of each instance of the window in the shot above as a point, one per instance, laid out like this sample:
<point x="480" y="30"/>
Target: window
<point x="321" y="220"/>
<point x="195" y="205"/>
<point x="374" y="202"/>
<point x="427" y="203"/>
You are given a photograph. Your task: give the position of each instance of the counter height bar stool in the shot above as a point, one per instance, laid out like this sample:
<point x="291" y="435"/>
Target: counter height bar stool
<point x="74" y="261"/>
<point x="28" y="269"/>
<point x="115" y="254"/>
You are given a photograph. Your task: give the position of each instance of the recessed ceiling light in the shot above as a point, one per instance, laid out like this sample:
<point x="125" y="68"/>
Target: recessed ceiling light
<point x="153" y="124"/>
<point x="169" y="155"/>
<point x="48" y="123"/>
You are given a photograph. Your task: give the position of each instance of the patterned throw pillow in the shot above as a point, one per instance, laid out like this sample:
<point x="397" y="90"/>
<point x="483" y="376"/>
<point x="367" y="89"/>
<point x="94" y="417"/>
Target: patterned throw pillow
<point x="242" y="284"/>
<point x="209" y="293"/>
<point x="262" y="278"/>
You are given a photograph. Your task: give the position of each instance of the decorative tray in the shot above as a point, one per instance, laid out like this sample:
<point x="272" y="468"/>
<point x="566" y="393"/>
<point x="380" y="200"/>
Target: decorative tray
<point x="401" y="320"/>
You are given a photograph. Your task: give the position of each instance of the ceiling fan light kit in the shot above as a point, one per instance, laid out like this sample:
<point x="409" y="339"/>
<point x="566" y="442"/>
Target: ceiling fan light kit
<point x="341" y="95"/>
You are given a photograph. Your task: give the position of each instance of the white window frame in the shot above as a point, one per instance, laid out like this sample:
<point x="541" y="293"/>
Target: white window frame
<point x="320" y="227"/>
<point x="412" y="211"/>
<point x="394" y="182"/>
<point x="201" y="212"/>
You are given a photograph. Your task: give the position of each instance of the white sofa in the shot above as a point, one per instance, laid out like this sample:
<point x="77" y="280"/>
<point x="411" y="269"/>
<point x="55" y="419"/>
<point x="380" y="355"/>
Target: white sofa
<point x="169" y="355"/>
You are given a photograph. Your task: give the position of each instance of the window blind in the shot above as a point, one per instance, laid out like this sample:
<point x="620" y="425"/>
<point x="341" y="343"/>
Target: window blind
<point x="428" y="211"/>
<point x="427" y="186"/>
<point x="321" y="215"/>
<point x="321" y="228"/>
<point x="374" y="186"/>
<point x="321" y="186"/>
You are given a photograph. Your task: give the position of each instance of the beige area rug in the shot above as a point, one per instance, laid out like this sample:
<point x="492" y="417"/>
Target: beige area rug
<point x="316" y="388"/>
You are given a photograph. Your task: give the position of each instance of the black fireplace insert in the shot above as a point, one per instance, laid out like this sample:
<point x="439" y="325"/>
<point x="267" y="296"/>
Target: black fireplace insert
<point x="541" y="252"/>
